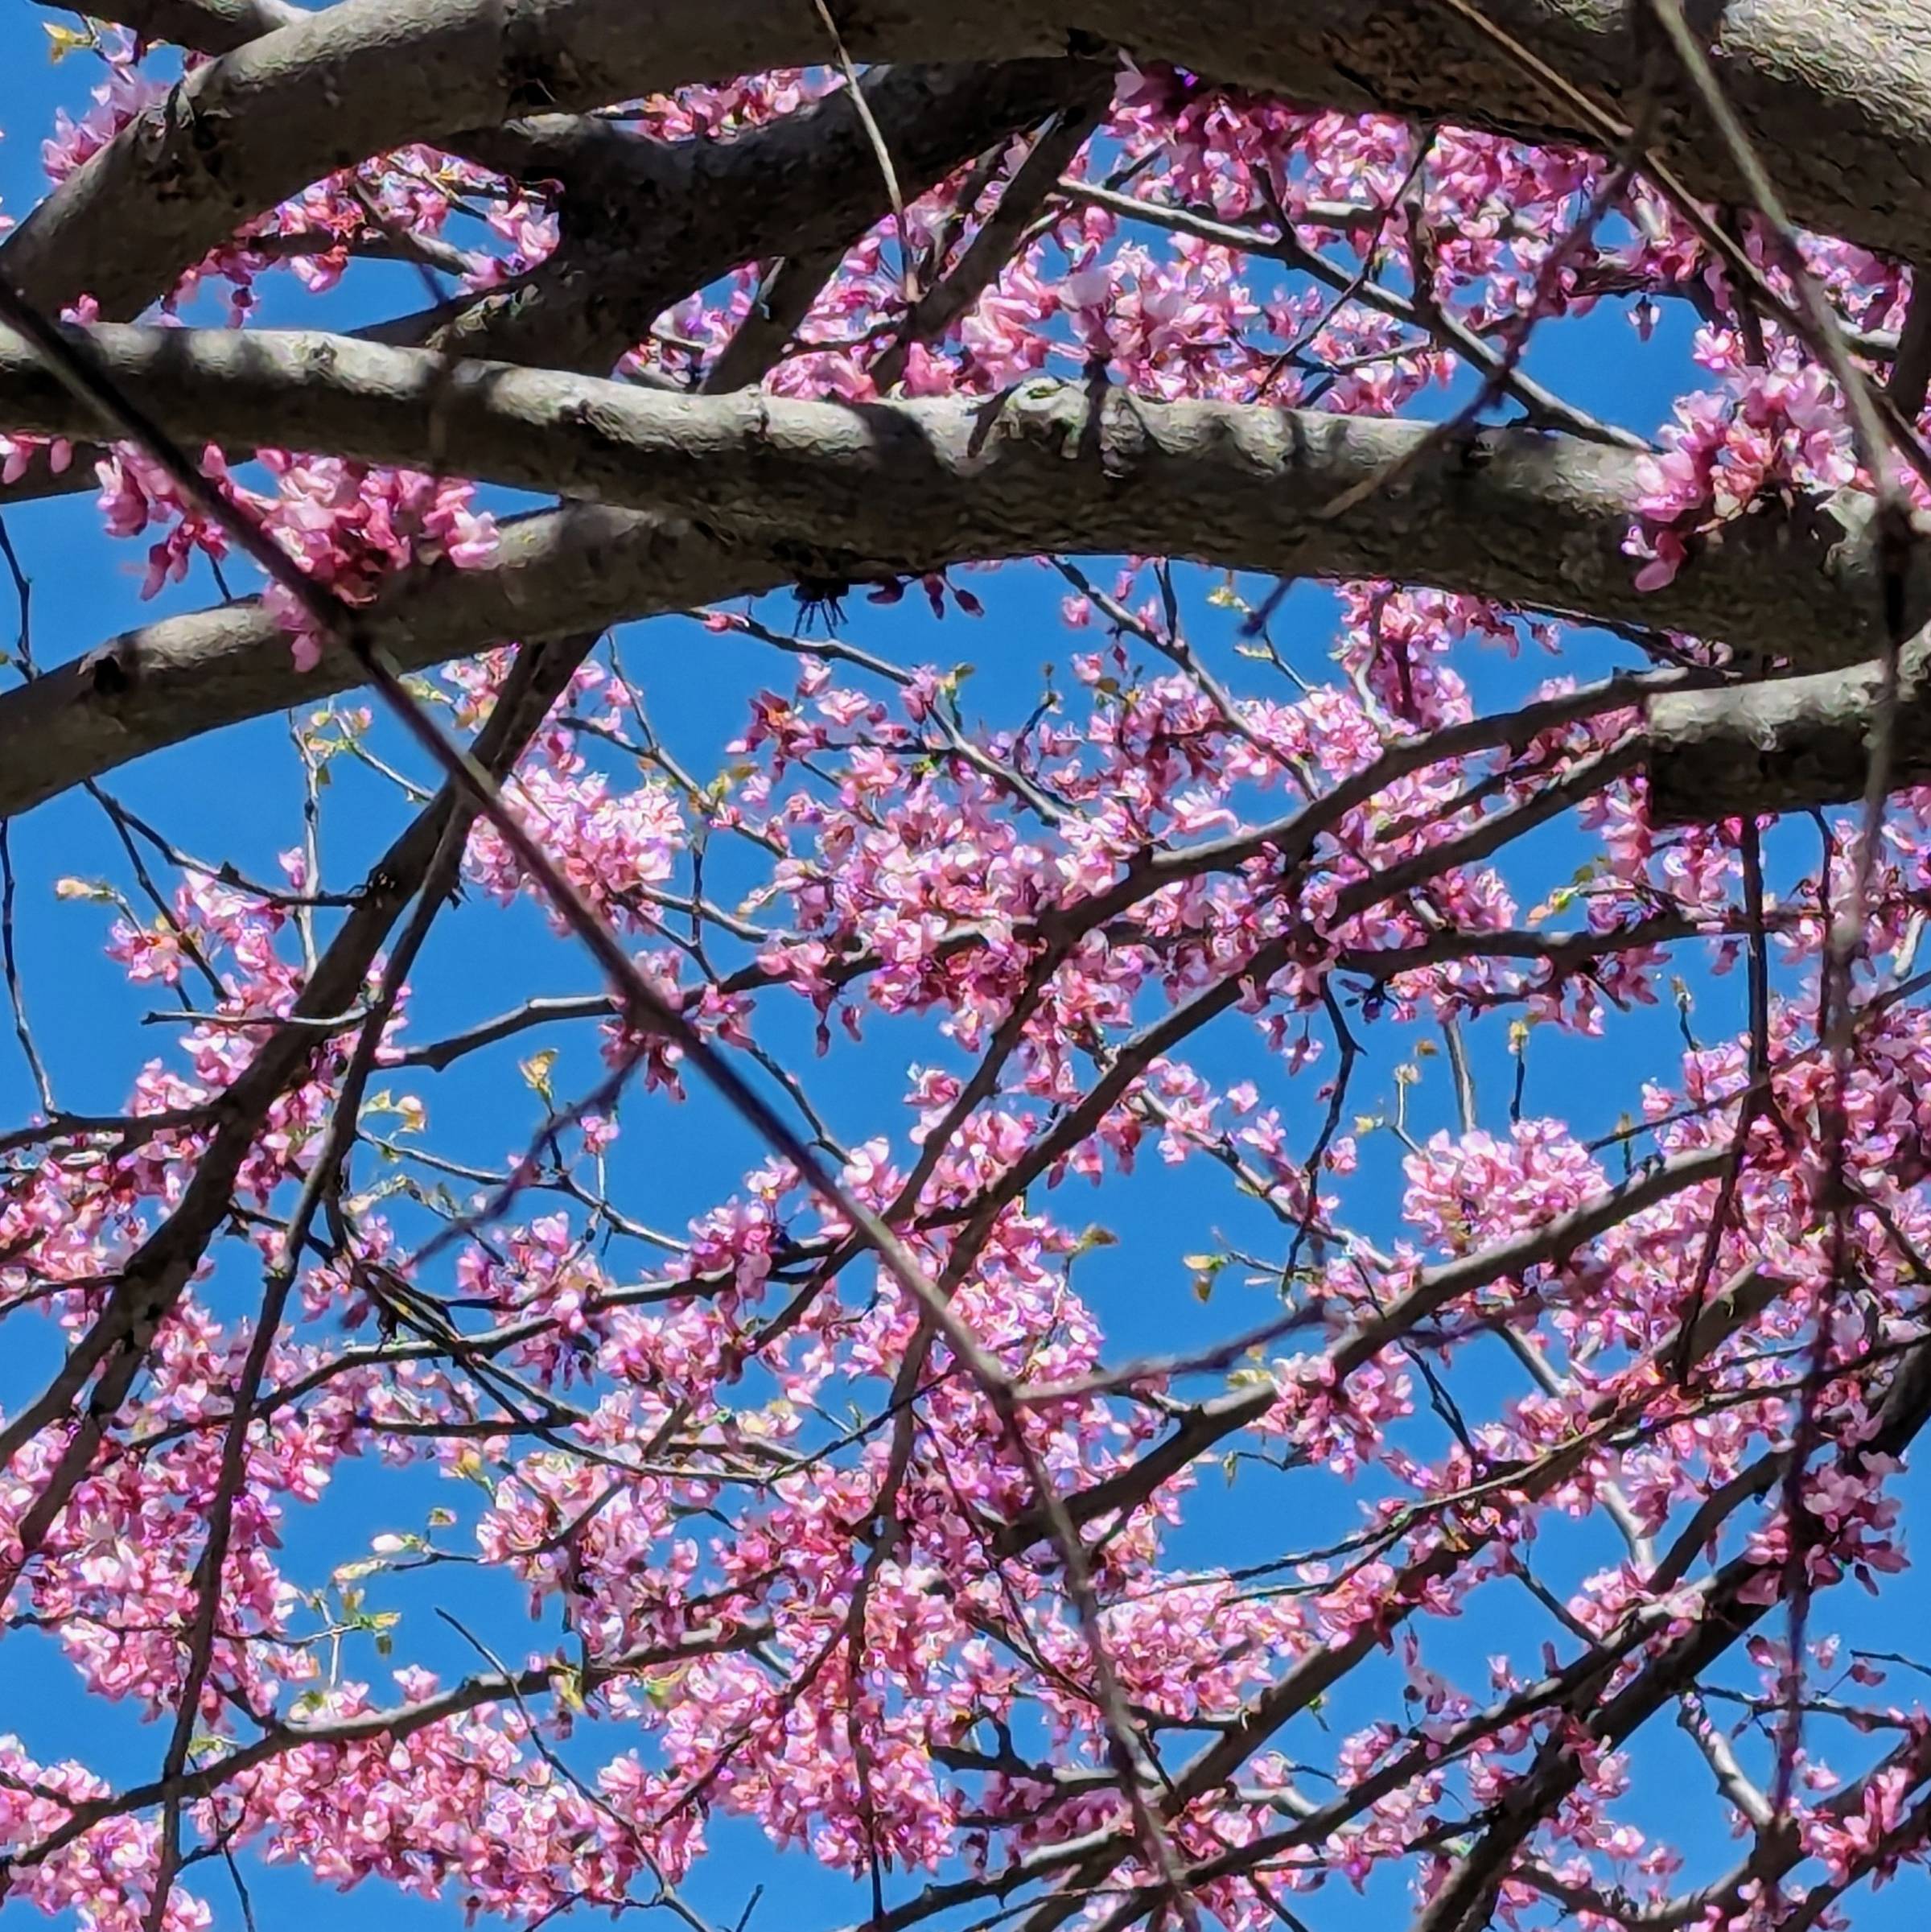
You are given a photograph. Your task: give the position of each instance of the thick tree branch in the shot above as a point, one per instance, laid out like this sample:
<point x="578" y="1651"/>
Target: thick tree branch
<point x="170" y="681"/>
<point x="650" y="222"/>
<point x="1840" y="95"/>
<point x="203" y="26"/>
<point x="1521" y="516"/>
<point x="1783" y="745"/>
<point x="644" y="223"/>
<point x="771" y="487"/>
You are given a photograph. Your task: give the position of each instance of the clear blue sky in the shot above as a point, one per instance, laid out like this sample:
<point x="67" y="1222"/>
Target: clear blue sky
<point x="238" y="797"/>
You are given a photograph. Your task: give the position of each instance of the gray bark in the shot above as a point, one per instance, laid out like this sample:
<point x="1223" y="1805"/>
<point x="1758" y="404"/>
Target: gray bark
<point x="1782" y="746"/>
<point x="169" y="682"/>
<point x="762" y="489"/>
<point x="1837" y="97"/>
<point x="649" y="222"/>
<point x="875" y="489"/>
<point x="645" y="222"/>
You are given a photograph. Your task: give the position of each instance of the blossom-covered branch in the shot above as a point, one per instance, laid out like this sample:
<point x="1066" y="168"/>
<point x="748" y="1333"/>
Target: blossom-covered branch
<point x="1326" y="1007"/>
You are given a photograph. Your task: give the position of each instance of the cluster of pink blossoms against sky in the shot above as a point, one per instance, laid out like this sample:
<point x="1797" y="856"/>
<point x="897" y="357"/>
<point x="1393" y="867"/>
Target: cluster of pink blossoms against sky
<point x="774" y="1552"/>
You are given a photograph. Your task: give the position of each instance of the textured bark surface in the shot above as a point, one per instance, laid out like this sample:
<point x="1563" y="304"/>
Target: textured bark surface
<point x="881" y="489"/>
<point x="644" y="223"/>
<point x="1782" y="746"/>
<point x="758" y="489"/>
<point x="171" y="682"/>
<point x="647" y="223"/>
<point x="1837" y="97"/>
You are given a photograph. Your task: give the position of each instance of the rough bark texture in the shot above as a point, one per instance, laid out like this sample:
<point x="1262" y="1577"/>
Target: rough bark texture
<point x="765" y="489"/>
<point x="872" y="489"/>
<point x="1782" y="746"/>
<point x="171" y="682"/>
<point x="646" y="222"/>
<point x="1838" y="98"/>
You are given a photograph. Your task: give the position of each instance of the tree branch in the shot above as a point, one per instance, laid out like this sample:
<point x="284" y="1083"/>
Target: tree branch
<point x="645" y="222"/>
<point x="396" y="1722"/>
<point x="116" y="1345"/>
<point x="171" y="681"/>
<point x="884" y="489"/>
<point x="1843" y="103"/>
<point x="1783" y="745"/>
<point x="881" y="490"/>
<point x="1732" y="1608"/>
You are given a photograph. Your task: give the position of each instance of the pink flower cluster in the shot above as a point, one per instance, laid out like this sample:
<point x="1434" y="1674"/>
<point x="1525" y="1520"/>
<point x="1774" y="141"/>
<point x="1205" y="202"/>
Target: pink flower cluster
<point x="1782" y="432"/>
<point x="349" y="526"/>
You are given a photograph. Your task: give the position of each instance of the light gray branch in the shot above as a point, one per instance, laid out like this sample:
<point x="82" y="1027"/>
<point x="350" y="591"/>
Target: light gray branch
<point x="871" y="489"/>
<point x="648" y="222"/>
<point x="1780" y="746"/>
<point x="171" y="682"/>
<point x="711" y="497"/>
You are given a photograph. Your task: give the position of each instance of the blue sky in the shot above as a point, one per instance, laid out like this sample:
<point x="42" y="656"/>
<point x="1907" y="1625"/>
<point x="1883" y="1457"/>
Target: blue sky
<point x="239" y="796"/>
